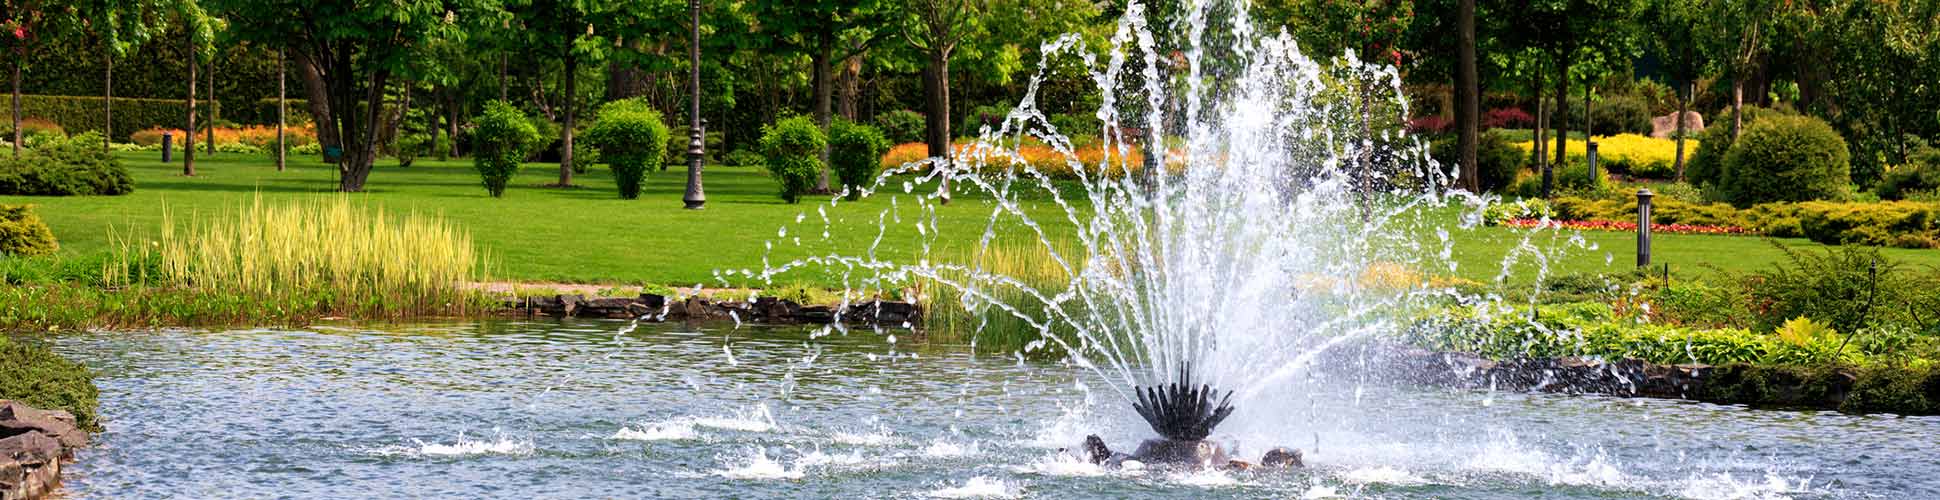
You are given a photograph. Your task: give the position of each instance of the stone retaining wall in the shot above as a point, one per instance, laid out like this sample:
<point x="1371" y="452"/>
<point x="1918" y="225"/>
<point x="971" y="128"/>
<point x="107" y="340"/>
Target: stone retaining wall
<point x="33" y="443"/>
<point x="764" y="310"/>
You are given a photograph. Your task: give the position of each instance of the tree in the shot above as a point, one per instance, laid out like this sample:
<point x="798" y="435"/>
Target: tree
<point x="1738" y="34"/>
<point x="1676" y="26"/>
<point x="983" y="31"/>
<point x="27" y="24"/>
<point x="819" y="28"/>
<point x="355" y="48"/>
<point x="1569" y="33"/>
<point x="1468" y="96"/>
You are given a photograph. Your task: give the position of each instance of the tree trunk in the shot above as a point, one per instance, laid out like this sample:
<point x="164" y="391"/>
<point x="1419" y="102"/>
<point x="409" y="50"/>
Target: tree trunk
<point x="317" y="93"/>
<point x="936" y="122"/>
<point x="1539" y="146"/>
<point x="360" y="153"/>
<point x="1562" y="102"/>
<point x="1737" y="106"/>
<point x="433" y="114"/>
<point x="451" y="120"/>
<point x="1683" y="106"/>
<point x="282" y="109"/>
<point x="188" y="134"/>
<point x="502" y="96"/>
<point x="215" y="110"/>
<point x="566" y="136"/>
<point x="397" y="128"/>
<point x="823" y="91"/>
<point x="19" y="54"/>
<point x="1468" y="97"/>
<point x="851" y="85"/>
<point x="108" y="106"/>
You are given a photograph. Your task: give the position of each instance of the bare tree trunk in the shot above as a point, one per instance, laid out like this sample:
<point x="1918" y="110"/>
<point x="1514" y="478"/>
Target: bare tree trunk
<point x="1468" y="97"/>
<point x="317" y="94"/>
<point x="19" y="53"/>
<point x="215" y="110"/>
<point x="360" y="154"/>
<point x="851" y="87"/>
<point x="282" y="109"/>
<point x="433" y="114"/>
<point x="501" y="78"/>
<point x="1683" y="106"/>
<point x="108" y="105"/>
<point x="823" y="89"/>
<point x="566" y="136"/>
<point x="1737" y="106"/>
<point x="188" y="134"/>
<point x="451" y="119"/>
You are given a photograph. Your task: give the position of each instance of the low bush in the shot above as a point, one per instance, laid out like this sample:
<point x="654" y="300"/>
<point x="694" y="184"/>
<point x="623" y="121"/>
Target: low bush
<point x="37" y="131"/>
<point x="679" y="139"/>
<point x="502" y="138"/>
<point x="982" y="116"/>
<point x="1507" y="118"/>
<point x="742" y="158"/>
<point x="1919" y="176"/>
<point x="409" y="146"/>
<point x="902" y="126"/>
<point x="1792" y="158"/>
<point x="35" y="376"/>
<point x="1903" y="224"/>
<point x="1033" y="154"/>
<point x="792" y="151"/>
<point x="23" y="234"/>
<point x="1429" y="125"/>
<point x="855" y="155"/>
<point x="1498" y="162"/>
<point x="632" y="140"/>
<point x="74" y="166"/>
<point x="1621" y="115"/>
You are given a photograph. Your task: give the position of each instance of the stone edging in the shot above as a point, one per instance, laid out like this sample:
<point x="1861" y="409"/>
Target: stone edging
<point x="33" y="443"/>
<point x="763" y="310"/>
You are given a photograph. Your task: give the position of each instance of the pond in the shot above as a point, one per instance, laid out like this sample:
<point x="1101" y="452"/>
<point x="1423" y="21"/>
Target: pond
<point x="553" y="409"/>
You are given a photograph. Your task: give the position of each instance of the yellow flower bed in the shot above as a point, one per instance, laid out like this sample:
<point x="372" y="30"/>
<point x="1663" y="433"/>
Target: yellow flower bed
<point x="1635" y="148"/>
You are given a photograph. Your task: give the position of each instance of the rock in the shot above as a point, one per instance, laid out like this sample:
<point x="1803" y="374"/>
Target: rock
<point x="16" y="418"/>
<point x="882" y="312"/>
<point x="817" y="314"/>
<point x="1282" y="457"/>
<point x="1663" y="126"/>
<point x="1095" y="450"/>
<point x="653" y="302"/>
<point x="31" y="447"/>
<point x="776" y="310"/>
<point x="30" y="466"/>
<point x="568" y="304"/>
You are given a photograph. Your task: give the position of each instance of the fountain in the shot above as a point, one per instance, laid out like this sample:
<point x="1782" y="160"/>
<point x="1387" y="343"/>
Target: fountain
<point x="1247" y="204"/>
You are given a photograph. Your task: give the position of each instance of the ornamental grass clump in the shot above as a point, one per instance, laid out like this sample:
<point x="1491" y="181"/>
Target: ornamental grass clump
<point x="329" y="254"/>
<point x="855" y="153"/>
<point x="632" y="140"/>
<point x="792" y="151"/>
<point x="501" y="141"/>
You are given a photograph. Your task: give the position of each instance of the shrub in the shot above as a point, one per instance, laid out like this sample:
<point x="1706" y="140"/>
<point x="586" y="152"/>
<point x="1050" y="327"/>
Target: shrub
<point x="855" y="154"/>
<point x="1498" y="161"/>
<point x="792" y="148"/>
<point x="632" y="140"/>
<point x="37" y="131"/>
<point x="982" y="116"/>
<point x="1575" y="176"/>
<point x="902" y="126"/>
<point x="37" y="377"/>
<point x="1430" y="125"/>
<point x="1920" y="175"/>
<point x="1507" y="118"/>
<point x="1706" y="164"/>
<point x="679" y="139"/>
<point x="77" y="114"/>
<point x="23" y="234"/>
<point x="1848" y="288"/>
<point x="1621" y="115"/>
<point x="502" y="138"/>
<point x="70" y="167"/>
<point x="409" y="146"/>
<point x="742" y="158"/>
<point x="1791" y="158"/>
<point x="1903" y="224"/>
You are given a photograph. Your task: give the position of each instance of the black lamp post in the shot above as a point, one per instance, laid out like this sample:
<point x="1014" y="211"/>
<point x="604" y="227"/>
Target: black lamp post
<point x="696" y="128"/>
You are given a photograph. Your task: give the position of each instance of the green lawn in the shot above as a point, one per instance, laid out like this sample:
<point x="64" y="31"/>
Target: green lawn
<point x="589" y="235"/>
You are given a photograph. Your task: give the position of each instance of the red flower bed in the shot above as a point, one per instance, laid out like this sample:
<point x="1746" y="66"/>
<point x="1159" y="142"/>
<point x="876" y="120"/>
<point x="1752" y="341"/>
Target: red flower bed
<point x="1598" y="225"/>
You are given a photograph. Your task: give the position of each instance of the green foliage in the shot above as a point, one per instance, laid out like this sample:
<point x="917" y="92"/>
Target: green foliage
<point x="1920" y="175"/>
<point x="679" y="139"/>
<point x="792" y="148"/>
<point x="66" y="167"/>
<point x="1621" y="114"/>
<point x="742" y="158"/>
<point x="1498" y="161"/>
<point x="982" y="116"/>
<point x="23" y="234"/>
<point x="1706" y="164"/>
<point x="34" y="375"/>
<point x="1786" y="159"/>
<point x="901" y="126"/>
<point x="1849" y="288"/>
<point x="1575" y="177"/>
<point x="1526" y="208"/>
<point x="409" y="146"/>
<point x="1903" y="224"/>
<point x="632" y="139"/>
<point x="502" y="139"/>
<point x="855" y="154"/>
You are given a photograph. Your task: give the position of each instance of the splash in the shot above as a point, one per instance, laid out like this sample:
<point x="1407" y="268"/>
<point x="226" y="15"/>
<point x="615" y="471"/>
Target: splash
<point x="980" y="487"/>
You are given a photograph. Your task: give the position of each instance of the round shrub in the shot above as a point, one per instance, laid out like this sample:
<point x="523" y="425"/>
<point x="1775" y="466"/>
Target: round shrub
<point x="1621" y="115"/>
<point x="35" y="376"/>
<point x="1575" y="176"/>
<point x="1498" y="161"/>
<point x="791" y="149"/>
<point x="855" y="154"/>
<point x="23" y="234"/>
<point x="409" y="146"/>
<point x="1919" y="176"/>
<point x="679" y="139"/>
<point x="902" y="125"/>
<point x="1706" y="163"/>
<point x="502" y="138"/>
<point x="1790" y="158"/>
<point x="632" y="139"/>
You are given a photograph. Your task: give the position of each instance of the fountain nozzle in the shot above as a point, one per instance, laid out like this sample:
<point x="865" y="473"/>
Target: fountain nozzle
<point x="1178" y="411"/>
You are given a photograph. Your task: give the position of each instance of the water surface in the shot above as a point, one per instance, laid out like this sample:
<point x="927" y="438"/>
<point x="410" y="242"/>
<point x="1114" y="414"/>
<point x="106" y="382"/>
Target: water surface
<point x="506" y="409"/>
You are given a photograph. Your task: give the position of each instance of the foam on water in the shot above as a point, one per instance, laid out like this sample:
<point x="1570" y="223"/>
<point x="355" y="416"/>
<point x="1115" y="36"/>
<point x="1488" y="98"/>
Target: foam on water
<point x="659" y="431"/>
<point x="501" y="444"/>
<point x="942" y="448"/>
<point x="980" y="487"/>
<point x="757" y="419"/>
<point x="757" y="466"/>
<point x="1382" y="475"/>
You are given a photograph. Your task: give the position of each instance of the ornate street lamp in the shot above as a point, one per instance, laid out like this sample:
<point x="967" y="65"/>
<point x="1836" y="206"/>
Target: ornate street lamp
<point x="696" y="128"/>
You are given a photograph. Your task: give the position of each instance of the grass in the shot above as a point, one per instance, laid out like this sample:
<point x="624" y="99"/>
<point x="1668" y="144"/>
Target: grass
<point x="589" y="235"/>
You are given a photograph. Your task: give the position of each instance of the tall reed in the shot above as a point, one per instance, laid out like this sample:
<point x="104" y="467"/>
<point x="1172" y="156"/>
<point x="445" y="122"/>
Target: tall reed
<point x="329" y="254"/>
<point x="949" y="316"/>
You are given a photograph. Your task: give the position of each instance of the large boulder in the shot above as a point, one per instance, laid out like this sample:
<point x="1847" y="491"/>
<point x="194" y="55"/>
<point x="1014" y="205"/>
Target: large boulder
<point x="1663" y="126"/>
<point x="16" y="419"/>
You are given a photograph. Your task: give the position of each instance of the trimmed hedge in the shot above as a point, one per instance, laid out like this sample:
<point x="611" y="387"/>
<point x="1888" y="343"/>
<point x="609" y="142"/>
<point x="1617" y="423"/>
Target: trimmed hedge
<point x="72" y="167"/>
<point x="1902" y="224"/>
<point x="1790" y="158"/>
<point x="84" y="113"/>
<point x="22" y="234"/>
<point x="39" y="378"/>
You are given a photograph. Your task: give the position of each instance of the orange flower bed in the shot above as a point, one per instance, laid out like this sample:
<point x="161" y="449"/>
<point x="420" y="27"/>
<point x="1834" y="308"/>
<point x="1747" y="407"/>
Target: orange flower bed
<point x="1037" y="155"/>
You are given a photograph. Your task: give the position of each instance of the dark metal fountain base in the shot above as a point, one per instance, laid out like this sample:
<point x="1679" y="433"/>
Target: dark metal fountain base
<point x="1179" y="453"/>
